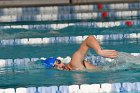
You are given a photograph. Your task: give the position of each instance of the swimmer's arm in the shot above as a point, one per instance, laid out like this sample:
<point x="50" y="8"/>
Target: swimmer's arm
<point x="91" y="42"/>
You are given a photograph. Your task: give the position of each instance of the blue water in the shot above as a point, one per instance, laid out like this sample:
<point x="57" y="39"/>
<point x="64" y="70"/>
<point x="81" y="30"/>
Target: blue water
<point x="68" y="31"/>
<point x="34" y="74"/>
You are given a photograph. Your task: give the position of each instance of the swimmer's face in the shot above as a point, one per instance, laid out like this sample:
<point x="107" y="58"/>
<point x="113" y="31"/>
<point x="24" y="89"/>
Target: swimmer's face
<point x="60" y="65"/>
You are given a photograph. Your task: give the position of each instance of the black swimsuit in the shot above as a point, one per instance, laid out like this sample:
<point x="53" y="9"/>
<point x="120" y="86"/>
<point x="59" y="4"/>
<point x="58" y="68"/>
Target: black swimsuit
<point x="84" y="63"/>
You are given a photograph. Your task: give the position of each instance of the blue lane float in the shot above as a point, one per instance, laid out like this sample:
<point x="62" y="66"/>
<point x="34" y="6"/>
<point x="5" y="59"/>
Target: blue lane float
<point x="126" y="87"/>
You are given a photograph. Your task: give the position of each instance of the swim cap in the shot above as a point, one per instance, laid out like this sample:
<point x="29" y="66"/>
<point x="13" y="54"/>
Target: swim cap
<point x="49" y="62"/>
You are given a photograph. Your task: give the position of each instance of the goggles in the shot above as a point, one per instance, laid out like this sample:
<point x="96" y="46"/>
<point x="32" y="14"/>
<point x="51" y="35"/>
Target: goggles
<point x="57" y="62"/>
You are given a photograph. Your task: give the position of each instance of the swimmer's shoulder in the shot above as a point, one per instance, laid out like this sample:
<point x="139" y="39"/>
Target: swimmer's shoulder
<point x="95" y="69"/>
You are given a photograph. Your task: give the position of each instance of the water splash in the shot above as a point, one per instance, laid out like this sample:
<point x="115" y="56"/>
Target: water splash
<point x="128" y="58"/>
<point x="124" y="61"/>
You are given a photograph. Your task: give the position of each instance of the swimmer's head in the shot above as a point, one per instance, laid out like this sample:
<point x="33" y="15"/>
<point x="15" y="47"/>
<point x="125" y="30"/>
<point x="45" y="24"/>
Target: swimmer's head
<point x="53" y="62"/>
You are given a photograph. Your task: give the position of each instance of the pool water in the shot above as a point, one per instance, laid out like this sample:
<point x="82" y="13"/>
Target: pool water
<point x="34" y="74"/>
<point x="37" y="75"/>
<point x="74" y="30"/>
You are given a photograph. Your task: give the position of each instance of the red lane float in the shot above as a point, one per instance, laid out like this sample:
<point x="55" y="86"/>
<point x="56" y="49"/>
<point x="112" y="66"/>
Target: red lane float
<point x="128" y="23"/>
<point x="104" y="14"/>
<point x="99" y="6"/>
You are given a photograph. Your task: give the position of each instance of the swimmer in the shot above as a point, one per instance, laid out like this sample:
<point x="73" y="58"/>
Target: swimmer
<point x="78" y="61"/>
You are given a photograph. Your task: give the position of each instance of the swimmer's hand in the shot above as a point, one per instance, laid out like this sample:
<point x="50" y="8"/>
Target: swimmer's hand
<point x="63" y="68"/>
<point x="66" y="68"/>
<point x="108" y="53"/>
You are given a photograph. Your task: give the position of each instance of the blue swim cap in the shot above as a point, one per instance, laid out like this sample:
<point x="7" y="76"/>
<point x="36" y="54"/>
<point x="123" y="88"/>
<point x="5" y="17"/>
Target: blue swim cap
<point x="49" y="62"/>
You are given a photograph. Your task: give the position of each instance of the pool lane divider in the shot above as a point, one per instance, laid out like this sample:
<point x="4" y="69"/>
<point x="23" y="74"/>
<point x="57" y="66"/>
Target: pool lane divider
<point x="59" y="26"/>
<point x="66" y="39"/>
<point x="124" y="87"/>
<point x="75" y="16"/>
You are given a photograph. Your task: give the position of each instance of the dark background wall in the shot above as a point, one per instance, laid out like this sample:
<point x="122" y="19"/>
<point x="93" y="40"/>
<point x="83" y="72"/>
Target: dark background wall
<point x="12" y="3"/>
